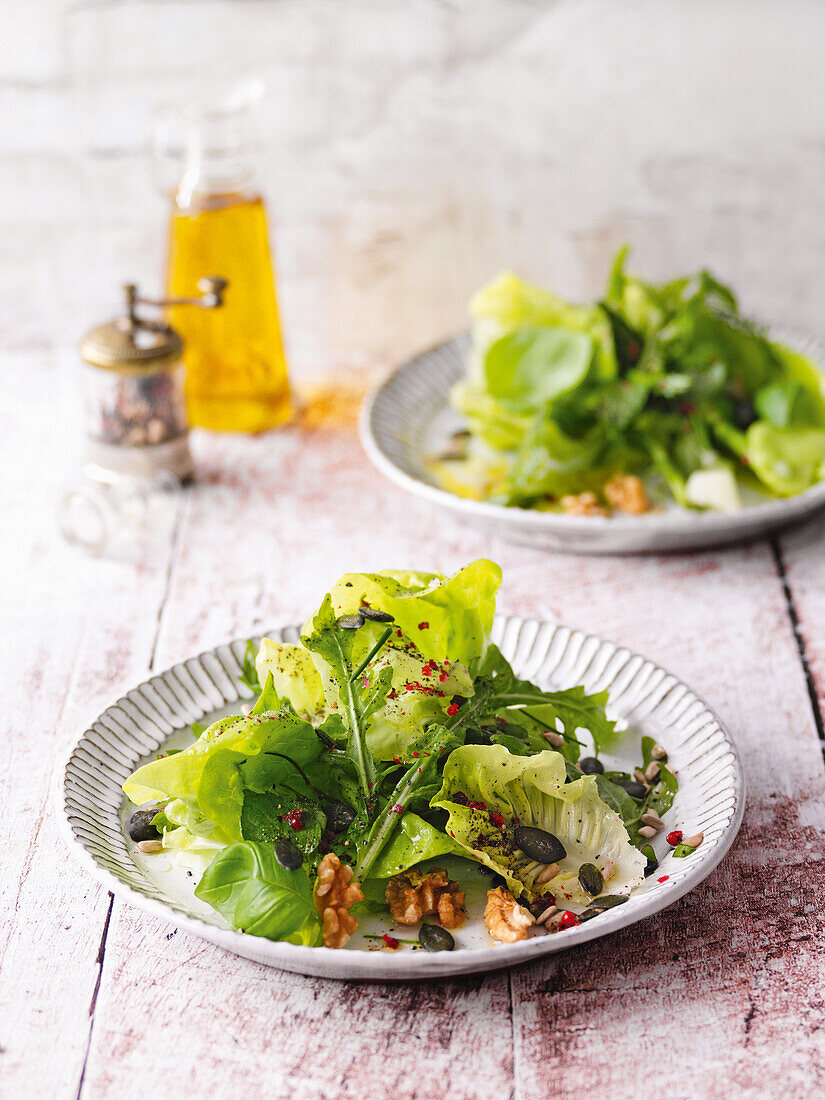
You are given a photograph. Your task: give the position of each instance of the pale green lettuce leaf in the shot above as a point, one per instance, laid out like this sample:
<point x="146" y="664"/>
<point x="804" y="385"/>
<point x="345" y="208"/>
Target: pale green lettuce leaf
<point x="787" y="460"/>
<point x="211" y="775"/>
<point x="509" y="302"/>
<point x="446" y="618"/>
<point x="294" y="675"/>
<point x="531" y="790"/>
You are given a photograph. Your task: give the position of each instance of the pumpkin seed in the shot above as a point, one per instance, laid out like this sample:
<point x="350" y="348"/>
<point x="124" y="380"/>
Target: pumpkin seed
<point x="350" y="622"/>
<point x="590" y="878"/>
<point x="589" y="914"/>
<point x="289" y="855"/>
<point x="375" y="615"/>
<point x="140" y="825"/>
<point x="435" y="938"/>
<point x="339" y="816"/>
<point x="652" y="861"/>
<point x="635" y="790"/>
<point x="591" y="766"/>
<point x="608" y="901"/>
<point x="539" y="845"/>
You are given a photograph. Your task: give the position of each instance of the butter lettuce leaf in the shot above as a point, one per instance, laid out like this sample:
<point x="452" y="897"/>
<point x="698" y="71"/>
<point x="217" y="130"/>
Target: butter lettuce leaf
<point x="446" y="618"/>
<point x="294" y="675"/>
<point x="232" y="755"/>
<point x="483" y="784"/>
<point x="787" y="460"/>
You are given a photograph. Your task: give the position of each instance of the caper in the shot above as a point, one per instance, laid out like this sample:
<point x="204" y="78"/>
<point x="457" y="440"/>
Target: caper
<point x="591" y="879"/>
<point x="289" y="855"/>
<point x="140" y="825"/>
<point x="608" y="901"/>
<point x="539" y="845"/>
<point x="351" y="622"/>
<point x="375" y="615"/>
<point x="591" y="766"/>
<point x="339" y="816"/>
<point x="435" y="938"/>
<point x="634" y="789"/>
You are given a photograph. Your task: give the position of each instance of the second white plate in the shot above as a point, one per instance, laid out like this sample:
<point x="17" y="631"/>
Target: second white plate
<point x="408" y="419"/>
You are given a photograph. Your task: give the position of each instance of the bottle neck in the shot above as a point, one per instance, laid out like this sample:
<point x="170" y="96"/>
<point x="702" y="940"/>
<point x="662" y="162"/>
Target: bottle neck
<point x="218" y="162"/>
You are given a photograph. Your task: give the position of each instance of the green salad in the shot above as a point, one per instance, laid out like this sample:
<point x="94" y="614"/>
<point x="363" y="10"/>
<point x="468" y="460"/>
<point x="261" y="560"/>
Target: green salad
<point x="654" y="394"/>
<point x="392" y="738"/>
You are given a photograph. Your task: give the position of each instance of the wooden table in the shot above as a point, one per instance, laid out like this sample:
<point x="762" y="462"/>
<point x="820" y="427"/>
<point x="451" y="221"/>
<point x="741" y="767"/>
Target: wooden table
<point x="721" y="995"/>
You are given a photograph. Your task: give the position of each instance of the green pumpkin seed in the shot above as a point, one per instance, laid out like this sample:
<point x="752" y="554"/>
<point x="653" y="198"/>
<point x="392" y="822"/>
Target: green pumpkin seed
<point x="608" y="901"/>
<point x="350" y="622"/>
<point x="591" y="879"/>
<point x="435" y="938"/>
<point x="539" y="845"/>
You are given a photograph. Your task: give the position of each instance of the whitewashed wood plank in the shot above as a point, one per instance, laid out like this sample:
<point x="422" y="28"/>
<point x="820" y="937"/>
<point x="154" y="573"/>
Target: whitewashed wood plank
<point x="801" y="554"/>
<point x="711" y="989"/>
<point x="75" y="631"/>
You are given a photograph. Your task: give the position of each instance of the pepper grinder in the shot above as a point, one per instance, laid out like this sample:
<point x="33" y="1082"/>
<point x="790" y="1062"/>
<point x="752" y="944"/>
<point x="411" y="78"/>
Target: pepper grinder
<point x="133" y="391"/>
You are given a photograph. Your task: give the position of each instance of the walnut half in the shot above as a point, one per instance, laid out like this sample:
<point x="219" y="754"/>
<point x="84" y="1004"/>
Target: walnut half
<point x="627" y="493"/>
<point x="335" y="894"/>
<point x="505" y="919"/>
<point x="583" y="504"/>
<point x="412" y="896"/>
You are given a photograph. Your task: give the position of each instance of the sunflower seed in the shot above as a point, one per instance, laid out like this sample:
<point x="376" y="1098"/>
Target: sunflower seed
<point x="653" y="821"/>
<point x="150" y="847"/>
<point x="550" y="871"/>
<point x="694" y="841"/>
<point x="647" y="831"/>
<point x="652" y="770"/>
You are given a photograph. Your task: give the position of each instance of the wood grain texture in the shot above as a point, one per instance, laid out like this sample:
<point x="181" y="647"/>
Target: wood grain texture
<point x="740" y="959"/>
<point x="75" y="631"/>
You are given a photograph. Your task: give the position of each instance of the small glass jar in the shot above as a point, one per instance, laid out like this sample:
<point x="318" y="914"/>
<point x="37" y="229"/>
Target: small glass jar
<point x="133" y="393"/>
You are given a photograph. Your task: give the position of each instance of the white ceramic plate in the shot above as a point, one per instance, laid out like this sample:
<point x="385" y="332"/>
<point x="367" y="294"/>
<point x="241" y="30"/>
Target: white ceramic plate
<point x="643" y="697"/>
<point x="407" y="420"/>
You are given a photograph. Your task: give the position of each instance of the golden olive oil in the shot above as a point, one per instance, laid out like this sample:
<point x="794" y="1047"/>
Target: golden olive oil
<point x="236" y="374"/>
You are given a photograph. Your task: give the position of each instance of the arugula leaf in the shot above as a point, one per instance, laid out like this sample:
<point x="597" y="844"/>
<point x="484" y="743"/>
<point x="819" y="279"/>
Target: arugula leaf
<point x="628" y="809"/>
<point x="359" y="700"/>
<point x="255" y="894"/>
<point x="434" y="745"/>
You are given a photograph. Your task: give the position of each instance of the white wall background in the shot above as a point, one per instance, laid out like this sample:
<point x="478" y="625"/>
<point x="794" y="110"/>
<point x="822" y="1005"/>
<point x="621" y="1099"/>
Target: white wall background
<point x="415" y="147"/>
